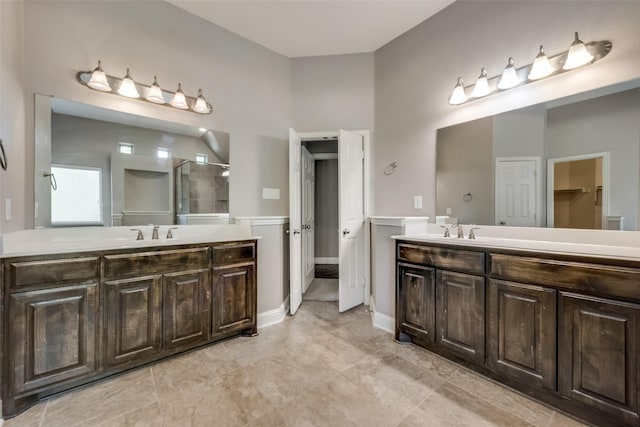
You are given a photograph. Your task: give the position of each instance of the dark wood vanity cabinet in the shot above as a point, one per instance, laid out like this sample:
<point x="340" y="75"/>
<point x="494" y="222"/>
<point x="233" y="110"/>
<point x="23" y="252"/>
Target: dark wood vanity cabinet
<point x="416" y="302"/>
<point x="598" y="354"/>
<point x="187" y="297"/>
<point x="460" y="314"/>
<point x="133" y="311"/>
<point x="74" y="318"/>
<point x="561" y="328"/>
<point x="234" y="282"/>
<point x="521" y="340"/>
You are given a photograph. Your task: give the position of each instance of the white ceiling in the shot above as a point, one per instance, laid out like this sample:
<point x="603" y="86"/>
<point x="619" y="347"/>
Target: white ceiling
<point x="296" y="28"/>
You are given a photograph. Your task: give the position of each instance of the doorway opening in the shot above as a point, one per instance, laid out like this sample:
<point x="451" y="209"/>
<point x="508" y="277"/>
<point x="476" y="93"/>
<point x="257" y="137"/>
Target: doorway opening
<point x="577" y="191"/>
<point x="353" y="197"/>
<point x="320" y="245"/>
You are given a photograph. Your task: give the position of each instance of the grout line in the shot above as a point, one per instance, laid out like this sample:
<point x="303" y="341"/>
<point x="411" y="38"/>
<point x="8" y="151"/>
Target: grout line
<point x="43" y="414"/>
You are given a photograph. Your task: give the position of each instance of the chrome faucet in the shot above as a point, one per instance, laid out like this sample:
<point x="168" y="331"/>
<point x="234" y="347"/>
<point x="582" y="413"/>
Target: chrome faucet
<point x="446" y="230"/>
<point x="139" y="236"/>
<point x="460" y="231"/>
<point x="169" y="234"/>
<point x="472" y="235"/>
<point x="154" y="234"/>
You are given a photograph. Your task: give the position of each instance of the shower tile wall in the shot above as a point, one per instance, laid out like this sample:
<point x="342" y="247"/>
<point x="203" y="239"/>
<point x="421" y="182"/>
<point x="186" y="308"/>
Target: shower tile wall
<point x="208" y="191"/>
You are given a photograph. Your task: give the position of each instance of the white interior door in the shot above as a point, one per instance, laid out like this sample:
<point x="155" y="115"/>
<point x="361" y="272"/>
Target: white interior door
<point x="295" y="222"/>
<point x="308" y="218"/>
<point x="516" y="192"/>
<point x="351" y="219"/>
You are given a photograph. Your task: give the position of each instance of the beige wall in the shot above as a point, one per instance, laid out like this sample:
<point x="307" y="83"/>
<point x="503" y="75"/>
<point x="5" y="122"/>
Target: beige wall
<point x="12" y="115"/>
<point x="415" y="73"/>
<point x="247" y="84"/>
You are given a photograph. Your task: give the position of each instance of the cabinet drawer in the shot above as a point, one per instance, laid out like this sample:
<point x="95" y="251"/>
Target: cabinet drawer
<point x="235" y="252"/>
<point x="450" y="259"/>
<point x="23" y="274"/>
<point x="592" y="278"/>
<point x="146" y="263"/>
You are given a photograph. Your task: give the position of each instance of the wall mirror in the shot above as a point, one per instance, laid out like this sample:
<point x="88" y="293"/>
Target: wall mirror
<point x="95" y="166"/>
<point x="572" y="163"/>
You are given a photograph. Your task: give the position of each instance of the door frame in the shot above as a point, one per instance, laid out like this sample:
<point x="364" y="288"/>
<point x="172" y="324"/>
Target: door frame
<point x="539" y="220"/>
<point x="368" y="194"/>
<point x="606" y="158"/>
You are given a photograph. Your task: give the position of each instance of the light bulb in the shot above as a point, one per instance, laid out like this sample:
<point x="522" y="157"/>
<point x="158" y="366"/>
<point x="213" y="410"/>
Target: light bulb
<point x="128" y="87"/>
<point x="179" y="100"/>
<point x="458" y="96"/>
<point x="481" y="87"/>
<point x="154" y="94"/>
<point x="99" y="80"/>
<point x="578" y="55"/>
<point x="509" y="77"/>
<point x="541" y="66"/>
<point x="201" y="104"/>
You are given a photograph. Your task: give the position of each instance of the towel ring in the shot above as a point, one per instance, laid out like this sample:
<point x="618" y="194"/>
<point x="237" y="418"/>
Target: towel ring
<point x="467" y="197"/>
<point x="391" y="168"/>
<point x="3" y="157"/>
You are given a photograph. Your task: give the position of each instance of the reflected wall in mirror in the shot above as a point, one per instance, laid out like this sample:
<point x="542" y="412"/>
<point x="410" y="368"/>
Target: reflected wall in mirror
<point x="506" y="164"/>
<point x="136" y="159"/>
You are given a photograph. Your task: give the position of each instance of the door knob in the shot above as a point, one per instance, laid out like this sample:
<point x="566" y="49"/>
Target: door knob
<point x="345" y="232"/>
<point x="503" y="223"/>
<point x="296" y="232"/>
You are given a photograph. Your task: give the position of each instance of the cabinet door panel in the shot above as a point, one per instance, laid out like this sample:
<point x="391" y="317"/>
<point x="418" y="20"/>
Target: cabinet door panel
<point x="186" y="307"/>
<point x="522" y="332"/>
<point x="53" y="335"/>
<point x="134" y="323"/>
<point x="416" y="301"/>
<point x="598" y="361"/>
<point x="234" y="306"/>
<point x="460" y="314"/>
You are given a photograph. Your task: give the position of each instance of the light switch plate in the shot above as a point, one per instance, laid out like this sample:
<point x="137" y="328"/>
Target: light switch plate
<point x="417" y="202"/>
<point x="271" y="193"/>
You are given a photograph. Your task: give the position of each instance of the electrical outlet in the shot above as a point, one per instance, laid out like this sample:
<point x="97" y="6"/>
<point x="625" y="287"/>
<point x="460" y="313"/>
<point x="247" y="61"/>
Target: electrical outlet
<point x="417" y="202"/>
<point x="448" y="211"/>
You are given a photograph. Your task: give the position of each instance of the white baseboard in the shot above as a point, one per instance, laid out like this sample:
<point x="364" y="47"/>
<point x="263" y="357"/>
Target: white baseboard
<point x="381" y="321"/>
<point x="275" y="316"/>
<point x="327" y="260"/>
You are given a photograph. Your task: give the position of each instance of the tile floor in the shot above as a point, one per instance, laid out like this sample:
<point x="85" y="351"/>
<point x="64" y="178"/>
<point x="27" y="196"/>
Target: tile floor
<point x="319" y="368"/>
<point x="322" y="289"/>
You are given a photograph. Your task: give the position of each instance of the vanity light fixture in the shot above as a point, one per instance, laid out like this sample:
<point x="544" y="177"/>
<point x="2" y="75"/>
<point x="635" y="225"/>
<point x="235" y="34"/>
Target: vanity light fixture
<point x="578" y="55"/>
<point x="481" y="87"/>
<point x="458" y="96"/>
<point x="128" y="87"/>
<point x="541" y="66"/>
<point x="509" y="76"/>
<point x="97" y="79"/>
<point x="201" y="105"/>
<point x="154" y="94"/>
<point x="179" y="100"/>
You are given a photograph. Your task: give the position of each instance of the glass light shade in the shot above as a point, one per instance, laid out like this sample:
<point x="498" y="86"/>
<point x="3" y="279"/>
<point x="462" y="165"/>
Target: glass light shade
<point x="154" y="94"/>
<point x="99" y="80"/>
<point x="578" y="55"/>
<point x="509" y="77"/>
<point x="201" y="104"/>
<point x="541" y="66"/>
<point x="481" y="87"/>
<point x="179" y="100"/>
<point x="458" y="96"/>
<point x="128" y="87"/>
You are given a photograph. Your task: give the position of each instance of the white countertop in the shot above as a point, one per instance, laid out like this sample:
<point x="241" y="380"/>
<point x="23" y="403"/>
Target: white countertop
<point x="80" y="239"/>
<point x="592" y="243"/>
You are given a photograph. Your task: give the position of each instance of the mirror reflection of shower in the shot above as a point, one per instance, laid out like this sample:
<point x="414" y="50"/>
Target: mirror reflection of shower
<point x="202" y="192"/>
